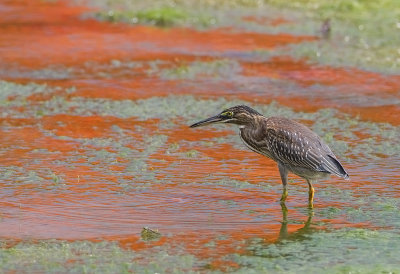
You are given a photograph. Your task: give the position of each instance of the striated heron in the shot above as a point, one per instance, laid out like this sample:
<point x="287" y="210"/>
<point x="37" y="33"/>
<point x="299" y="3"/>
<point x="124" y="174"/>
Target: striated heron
<point x="292" y="145"/>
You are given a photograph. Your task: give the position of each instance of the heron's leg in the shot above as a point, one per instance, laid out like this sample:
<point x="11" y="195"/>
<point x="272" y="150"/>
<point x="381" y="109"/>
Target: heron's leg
<point x="283" y="232"/>
<point x="310" y="194"/>
<point x="284" y="175"/>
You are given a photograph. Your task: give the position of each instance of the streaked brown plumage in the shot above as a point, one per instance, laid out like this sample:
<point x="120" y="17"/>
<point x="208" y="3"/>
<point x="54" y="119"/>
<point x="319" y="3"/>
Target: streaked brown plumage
<point x="292" y="145"/>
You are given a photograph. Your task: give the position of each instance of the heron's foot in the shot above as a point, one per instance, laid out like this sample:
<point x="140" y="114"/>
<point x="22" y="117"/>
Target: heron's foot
<point x="284" y="195"/>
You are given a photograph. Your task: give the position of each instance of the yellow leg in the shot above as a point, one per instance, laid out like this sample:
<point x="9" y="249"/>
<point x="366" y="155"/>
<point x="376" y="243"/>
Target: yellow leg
<point x="284" y="195"/>
<point x="310" y="195"/>
<point x="284" y="174"/>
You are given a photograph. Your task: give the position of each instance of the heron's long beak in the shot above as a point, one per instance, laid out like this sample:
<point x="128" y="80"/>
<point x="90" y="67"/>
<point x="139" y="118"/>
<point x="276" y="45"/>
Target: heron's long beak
<point x="211" y="120"/>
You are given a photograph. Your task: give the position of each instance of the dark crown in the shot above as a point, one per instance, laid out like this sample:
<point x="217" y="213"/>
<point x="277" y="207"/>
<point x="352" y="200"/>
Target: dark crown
<point x="243" y="108"/>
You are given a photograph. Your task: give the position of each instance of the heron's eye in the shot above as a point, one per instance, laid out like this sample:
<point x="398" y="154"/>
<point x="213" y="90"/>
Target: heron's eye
<point x="228" y="114"/>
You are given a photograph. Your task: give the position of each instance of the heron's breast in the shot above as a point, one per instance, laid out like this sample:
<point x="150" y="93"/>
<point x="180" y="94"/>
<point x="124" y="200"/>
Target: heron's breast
<point x="254" y="144"/>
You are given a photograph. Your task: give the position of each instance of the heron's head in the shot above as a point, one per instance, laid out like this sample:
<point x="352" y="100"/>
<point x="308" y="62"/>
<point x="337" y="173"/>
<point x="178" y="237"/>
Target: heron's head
<point x="239" y="115"/>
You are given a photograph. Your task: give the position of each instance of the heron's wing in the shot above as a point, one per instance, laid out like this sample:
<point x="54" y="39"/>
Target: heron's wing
<point x="303" y="148"/>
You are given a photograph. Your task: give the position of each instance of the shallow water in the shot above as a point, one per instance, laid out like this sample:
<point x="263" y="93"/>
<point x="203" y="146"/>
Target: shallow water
<point x="95" y="145"/>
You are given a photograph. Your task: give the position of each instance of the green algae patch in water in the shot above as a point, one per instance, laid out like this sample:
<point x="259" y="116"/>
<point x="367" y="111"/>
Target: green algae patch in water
<point x="166" y="13"/>
<point x="162" y="17"/>
<point x="218" y="69"/>
<point x="54" y="256"/>
<point x="12" y="94"/>
<point x="354" y="250"/>
<point x="364" y="34"/>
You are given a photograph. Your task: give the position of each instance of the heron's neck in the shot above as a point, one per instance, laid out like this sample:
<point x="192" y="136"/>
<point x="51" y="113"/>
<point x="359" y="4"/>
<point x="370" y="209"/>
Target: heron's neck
<point x="249" y="123"/>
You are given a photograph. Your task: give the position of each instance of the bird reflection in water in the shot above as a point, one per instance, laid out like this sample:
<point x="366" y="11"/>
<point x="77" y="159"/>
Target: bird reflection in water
<point x="283" y="232"/>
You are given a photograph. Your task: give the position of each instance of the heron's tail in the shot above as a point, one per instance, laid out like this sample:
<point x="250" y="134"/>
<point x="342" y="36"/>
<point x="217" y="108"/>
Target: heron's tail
<point x="332" y="165"/>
